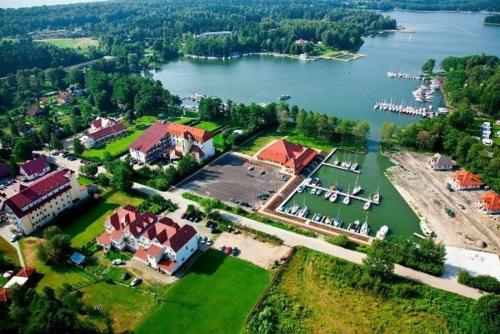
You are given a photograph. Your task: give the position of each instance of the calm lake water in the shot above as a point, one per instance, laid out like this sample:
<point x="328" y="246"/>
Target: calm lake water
<point x="33" y="3"/>
<point x="346" y="89"/>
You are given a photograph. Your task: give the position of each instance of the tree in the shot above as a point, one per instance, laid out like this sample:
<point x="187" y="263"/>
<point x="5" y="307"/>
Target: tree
<point x="23" y="149"/>
<point x="486" y="313"/>
<point x="76" y="76"/>
<point x="56" y="247"/>
<point x="55" y="143"/>
<point x="78" y="147"/>
<point x="387" y="132"/>
<point x="428" y="66"/>
<point x="283" y="120"/>
<point x="89" y="170"/>
<point x="424" y="139"/>
<point x="56" y="76"/>
<point x="121" y="178"/>
<point x="361" y="130"/>
<point x="378" y="260"/>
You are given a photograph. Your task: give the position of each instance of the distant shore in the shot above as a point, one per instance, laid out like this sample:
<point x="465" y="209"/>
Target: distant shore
<point x="341" y="56"/>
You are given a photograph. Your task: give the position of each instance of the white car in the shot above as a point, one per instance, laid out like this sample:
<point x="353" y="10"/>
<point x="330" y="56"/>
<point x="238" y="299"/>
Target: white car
<point x="116" y="262"/>
<point x="135" y="281"/>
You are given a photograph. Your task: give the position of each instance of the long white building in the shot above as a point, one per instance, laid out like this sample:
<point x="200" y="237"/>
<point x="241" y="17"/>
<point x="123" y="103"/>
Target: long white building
<point x="41" y="201"/>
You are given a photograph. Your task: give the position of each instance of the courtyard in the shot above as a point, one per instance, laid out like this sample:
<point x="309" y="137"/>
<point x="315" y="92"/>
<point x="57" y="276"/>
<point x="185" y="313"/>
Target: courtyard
<point x="234" y="178"/>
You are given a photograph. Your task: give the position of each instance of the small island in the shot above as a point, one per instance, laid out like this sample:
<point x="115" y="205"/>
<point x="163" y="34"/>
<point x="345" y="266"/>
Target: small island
<point x="492" y="20"/>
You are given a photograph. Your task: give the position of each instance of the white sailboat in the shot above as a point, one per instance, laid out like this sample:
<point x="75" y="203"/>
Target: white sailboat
<point x="367" y="205"/>
<point x="357" y="188"/>
<point x="347" y="198"/>
<point x="333" y="197"/>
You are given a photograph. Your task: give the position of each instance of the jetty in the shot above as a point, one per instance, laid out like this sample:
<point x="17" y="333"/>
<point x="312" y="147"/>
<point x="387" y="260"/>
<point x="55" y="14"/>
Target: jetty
<point x="404" y="75"/>
<point x="359" y="198"/>
<point x="347" y="169"/>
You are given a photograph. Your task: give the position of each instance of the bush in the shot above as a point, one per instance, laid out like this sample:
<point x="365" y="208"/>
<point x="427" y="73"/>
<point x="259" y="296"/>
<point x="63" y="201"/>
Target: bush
<point x="156" y="204"/>
<point x="482" y="282"/>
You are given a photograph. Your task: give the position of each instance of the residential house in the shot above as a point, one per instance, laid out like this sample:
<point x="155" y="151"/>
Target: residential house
<point x="463" y="180"/>
<point x="172" y="140"/>
<point x="35" y="111"/>
<point x="23" y="277"/>
<point x="159" y="243"/>
<point x="489" y="202"/>
<point x="292" y="157"/>
<point x="441" y="162"/>
<point x="34" y="169"/>
<point x="101" y="131"/>
<point x="64" y="98"/>
<point x="38" y="203"/>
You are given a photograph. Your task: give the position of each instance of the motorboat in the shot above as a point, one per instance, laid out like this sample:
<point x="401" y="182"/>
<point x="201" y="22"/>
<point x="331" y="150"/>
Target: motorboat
<point x="328" y="194"/>
<point x="346" y="200"/>
<point x="365" y="229"/>
<point x="367" y="205"/>
<point x="333" y="197"/>
<point x="382" y="232"/>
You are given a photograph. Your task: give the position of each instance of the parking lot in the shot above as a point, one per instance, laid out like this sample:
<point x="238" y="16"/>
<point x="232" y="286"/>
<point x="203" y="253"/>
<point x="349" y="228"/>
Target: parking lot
<point x="235" y="179"/>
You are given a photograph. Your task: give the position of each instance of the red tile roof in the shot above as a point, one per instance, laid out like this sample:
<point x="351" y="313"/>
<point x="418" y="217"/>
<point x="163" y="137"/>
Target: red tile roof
<point x="97" y="123"/>
<point x="35" y="166"/>
<point x="466" y="179"/>
<point x="4" y="295"/>
<point x="38" y="189"/>
<point x="26" y="272"/>
<point x="166" y="265"/>
<point x="141" y="254"/>
<point x="288" y="154"/>
<point x="34" y="111"/>
<point x="491" y="200"/>
<point x="104" y="239"/>
<point x="4" y="170"/>
<point x="183" y="235"/>
<point x="116" y="235"/>
<point x="154" y="250"/>
<point x="150" y="137"/>
<point x="108" y="131"/>
<point x="188" y="132"/>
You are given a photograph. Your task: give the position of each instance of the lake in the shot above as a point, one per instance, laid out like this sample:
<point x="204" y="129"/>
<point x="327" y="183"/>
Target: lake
<point x="33" y="3"/>
<point x="346" y="89"/>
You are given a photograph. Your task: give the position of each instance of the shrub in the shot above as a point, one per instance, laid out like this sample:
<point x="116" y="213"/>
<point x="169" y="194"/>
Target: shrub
<point x="482" y="282"/>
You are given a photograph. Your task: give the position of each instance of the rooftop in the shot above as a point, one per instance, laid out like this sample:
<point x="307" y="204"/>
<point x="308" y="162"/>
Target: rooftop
<point x="466" y="179"/>
<point x="288" y="154"/>
<point x="491" y="200"/>
<point x="35" y="166"/>
<point x="150" y="137"/>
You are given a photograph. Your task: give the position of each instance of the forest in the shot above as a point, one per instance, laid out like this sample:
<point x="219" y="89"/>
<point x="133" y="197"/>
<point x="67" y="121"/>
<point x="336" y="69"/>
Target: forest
<point x="492" y="19"/>
<point x="172" y="26"/>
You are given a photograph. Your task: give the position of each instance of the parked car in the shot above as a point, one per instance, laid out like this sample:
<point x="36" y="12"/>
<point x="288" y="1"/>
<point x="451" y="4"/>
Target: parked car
<point x="262" y="172"/>
<point x="228" y="250"/>
<point x="236" y="251"/>
<point x="125" y="276"/>
<point x="135" y="281"/>
<point x="246" y="204"/>
<point x="461" y="206"/>
<point x="116" y="262"/>
<point x="222" y="248"/>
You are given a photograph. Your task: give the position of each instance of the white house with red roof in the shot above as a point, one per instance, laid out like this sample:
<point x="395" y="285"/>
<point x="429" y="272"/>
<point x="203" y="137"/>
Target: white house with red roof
<point x="174" y="141"/>
<point x="292" y="157"/>
<point x="36" y="204"/>
<point x="35" y="168"/>
<point x="464" y="180"/>
<point x="159" y="243"/>
<point x="102" y="130"/>
<point x="489" y="202"/>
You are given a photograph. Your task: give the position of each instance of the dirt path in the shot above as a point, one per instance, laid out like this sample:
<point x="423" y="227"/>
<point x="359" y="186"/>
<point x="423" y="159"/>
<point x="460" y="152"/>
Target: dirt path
<point x="426" y="192"/>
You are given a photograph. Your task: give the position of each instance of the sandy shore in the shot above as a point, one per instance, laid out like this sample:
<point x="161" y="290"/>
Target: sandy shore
<point x="425" y="191"/>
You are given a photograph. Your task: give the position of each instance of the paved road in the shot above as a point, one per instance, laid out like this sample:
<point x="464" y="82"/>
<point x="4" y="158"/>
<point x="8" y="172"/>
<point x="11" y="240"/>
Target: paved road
<point x="292" y="239"/>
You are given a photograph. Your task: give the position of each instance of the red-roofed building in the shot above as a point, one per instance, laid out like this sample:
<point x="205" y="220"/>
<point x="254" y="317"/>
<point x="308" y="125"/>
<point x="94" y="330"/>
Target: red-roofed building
<point x="172" y="140"/>
<point x="153" y="241"/>
<point x="4" y="295"/>
<point x="489" y="202"/>
<point x="34" y="111"/>
<point x="101" y="131"/>
<point x="463" y="180"/>
<point x="64" y="98"/>
<point x="26" y="272"/>
<point x="36" y="204"/>
<point x="293" y="157"/>
<point x="35" y="168"/>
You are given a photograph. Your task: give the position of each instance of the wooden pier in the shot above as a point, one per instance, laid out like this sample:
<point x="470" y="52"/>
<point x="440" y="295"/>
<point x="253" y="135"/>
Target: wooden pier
<point x="357" y="171"/>
<point x="359" y="198"/>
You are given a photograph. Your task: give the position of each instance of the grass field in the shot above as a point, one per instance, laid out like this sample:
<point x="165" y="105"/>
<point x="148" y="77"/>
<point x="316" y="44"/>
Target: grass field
<point x="256" y="143"/>
<point x="314" y="293"/>
<point x="73" y="43"/>
<point x="126" y="306"/>
<point x="184" y="120"/>
<point x="208" y="126"/>
<point x="88" y="226"/>
<point x="214" y="297"/>
<point x="120" y="145"/>
<point x="9" y="252"/>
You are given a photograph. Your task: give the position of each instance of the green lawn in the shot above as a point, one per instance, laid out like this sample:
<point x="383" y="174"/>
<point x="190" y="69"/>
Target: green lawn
<point x="127" y="306"/>
<point x="316" y="292"/>
<point x="214" y="297"/>
<point x="256" y="143"/>
<point x="90" y="224"/>
<point x="83" y="181"/>
<point x="9" y="252"/>
<point x="73" y="43"/>
<point x="218" y="141"/>
<point x="120" y="146"/>
<point x="184" y="120"/>
<point x="208" y="126"/>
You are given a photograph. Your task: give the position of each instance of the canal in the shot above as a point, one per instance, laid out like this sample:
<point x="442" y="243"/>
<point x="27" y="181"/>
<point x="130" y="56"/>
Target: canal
<point x="347" y="89"/>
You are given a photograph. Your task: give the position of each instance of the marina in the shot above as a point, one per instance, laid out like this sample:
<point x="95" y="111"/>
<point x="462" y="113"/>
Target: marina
<point x="405" y="109"/>
<point x="403" y="75"/>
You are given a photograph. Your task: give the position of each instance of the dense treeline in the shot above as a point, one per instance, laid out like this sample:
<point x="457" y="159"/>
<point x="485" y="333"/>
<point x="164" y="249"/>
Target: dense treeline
<point x="492" y="19"/>
<point x="472" y="84"/>
<point x="168" y="26"/>
<point x="473" y="80"/>
<point x="463" y="5"/>
<point x="26" y="54"/>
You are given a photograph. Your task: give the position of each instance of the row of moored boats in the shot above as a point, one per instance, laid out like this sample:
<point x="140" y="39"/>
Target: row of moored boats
<point x="404" y="109"/>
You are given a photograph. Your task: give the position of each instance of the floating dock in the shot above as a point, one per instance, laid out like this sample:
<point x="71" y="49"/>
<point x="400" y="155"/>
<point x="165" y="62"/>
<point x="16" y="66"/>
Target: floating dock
<point x="359" y="198"/>
<point x="357" y="171"/>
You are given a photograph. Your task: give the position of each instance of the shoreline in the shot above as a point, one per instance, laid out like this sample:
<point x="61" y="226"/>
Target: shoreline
<point x="353" y="56"/>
